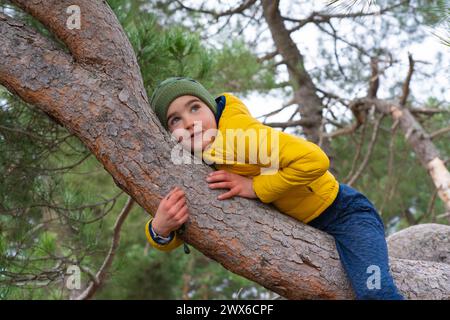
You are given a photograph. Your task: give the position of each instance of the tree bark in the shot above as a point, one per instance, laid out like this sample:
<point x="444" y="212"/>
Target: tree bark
<point x="109" y="112"/>
<point x="427" y="242"/>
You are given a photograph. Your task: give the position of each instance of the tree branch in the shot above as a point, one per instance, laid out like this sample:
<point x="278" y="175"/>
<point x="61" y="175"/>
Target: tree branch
<point x="426" y="242"/>
<point x="108" y="50"/>
<point x="420" y="142"/>
<point x="321" y="17"/>
<point x="101" y="274"/>
<point x="439" y="132"/>
<point x="241" y="8"/>
<point x="368" y="153"/>
<point x="406" y="84"/>
<point x="293" y="123"/>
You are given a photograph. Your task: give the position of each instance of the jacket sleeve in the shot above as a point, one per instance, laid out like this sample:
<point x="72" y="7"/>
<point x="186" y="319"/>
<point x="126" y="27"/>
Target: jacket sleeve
<point x="298" y="161"/>
<point x="174" y="243"/>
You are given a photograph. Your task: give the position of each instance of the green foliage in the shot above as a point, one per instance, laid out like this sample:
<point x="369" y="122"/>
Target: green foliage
<point x="239" y="70"/>
<point x="178" y="51"/>
<point x="407" y="187"/>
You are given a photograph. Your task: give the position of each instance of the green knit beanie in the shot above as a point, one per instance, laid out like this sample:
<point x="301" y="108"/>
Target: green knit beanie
<point x="174" y="87"/>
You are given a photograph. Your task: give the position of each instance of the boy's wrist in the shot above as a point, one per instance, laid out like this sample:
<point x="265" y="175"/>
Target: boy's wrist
<point x="159" y="232"/>
<point x="159" y="239"/>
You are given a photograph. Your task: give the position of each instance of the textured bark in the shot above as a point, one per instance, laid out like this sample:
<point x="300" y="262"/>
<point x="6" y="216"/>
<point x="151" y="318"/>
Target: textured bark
<point x="428" y="242"/>
<point x="99" y="43"/>
<point x="109" y="112"/>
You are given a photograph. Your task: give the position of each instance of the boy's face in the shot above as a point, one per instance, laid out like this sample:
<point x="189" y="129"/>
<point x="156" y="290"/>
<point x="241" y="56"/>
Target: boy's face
<point x="188" y="118"/>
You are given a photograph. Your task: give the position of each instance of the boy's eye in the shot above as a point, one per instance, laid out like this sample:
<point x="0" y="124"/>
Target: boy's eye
<point x="173" y="120"/>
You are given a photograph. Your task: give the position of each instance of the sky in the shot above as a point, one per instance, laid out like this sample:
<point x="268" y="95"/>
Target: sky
<point x="307" y="40"/>
<point x="427" y="52"/>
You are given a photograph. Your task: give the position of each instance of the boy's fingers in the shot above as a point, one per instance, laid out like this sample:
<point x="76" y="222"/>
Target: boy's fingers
<point x="180" y="203"/>
<point x="171" y="191"/>
<point x="220" y="185"/>
<point x="184" y="219"/>
<point x="215" y="172"/>
<point x="176" y="194"/>
<point x="183" y="212"/>
<point x="216" y="177"/>
<point x="227" y="195"/>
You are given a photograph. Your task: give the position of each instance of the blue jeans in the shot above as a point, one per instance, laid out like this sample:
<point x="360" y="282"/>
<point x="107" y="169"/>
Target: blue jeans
<point x="358" y="232"/>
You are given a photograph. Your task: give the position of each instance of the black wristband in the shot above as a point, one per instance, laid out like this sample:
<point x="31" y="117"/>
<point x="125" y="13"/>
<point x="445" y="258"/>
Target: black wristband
<point x="158" y="239"/>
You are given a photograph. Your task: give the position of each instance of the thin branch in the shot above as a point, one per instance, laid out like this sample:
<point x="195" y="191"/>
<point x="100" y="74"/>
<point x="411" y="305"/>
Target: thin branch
<point x="439" y="132"/>
<point x="370" y="147"/>
<point x="390" y="171"/>
<point x="58" y="208"/>
<point x="68" y="167"/>
<point x="26" y="133"/>
<point x="374" y="79"/>
<point x="291" y="102"/>
<point x="336" y="55"/>
<point x="297" y="110"/>
<point x="333" y="96"/>
<point x="359" y="48"/>
<point x="267" y="56"/>
<point x="101" y="274"/>
<point x="301" y="122"/>
<point x="359" y="146"/>
<point x="241" y="8"/>
<point x="359" y="112"/>
<point x="430" y="207"/>
<point x="319" y="17"/>
<point x="428" y="111"/>
<point x="406" y="84"/>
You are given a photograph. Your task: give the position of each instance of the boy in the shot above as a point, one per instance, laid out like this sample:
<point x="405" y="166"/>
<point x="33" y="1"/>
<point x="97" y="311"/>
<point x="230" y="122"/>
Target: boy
<point x="301" y="187"/>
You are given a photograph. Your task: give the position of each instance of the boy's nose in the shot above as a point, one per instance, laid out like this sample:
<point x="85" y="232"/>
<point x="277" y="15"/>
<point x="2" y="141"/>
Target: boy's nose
<point x="189" y="125"/>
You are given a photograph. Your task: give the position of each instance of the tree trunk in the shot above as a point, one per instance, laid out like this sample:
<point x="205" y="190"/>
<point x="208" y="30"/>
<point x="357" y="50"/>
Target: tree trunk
<point x="96" y="92"/>
<point x="305" y="96"/>
<point x="428" y="242"/>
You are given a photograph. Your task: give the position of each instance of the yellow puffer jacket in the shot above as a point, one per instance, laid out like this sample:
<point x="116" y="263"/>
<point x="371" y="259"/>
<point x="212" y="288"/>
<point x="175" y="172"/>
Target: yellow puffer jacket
<point x="287" y="170"/>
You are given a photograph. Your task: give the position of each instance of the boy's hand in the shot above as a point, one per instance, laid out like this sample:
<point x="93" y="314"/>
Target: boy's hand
<point x="171" y="214"/>
<point x="238" y="185"/>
